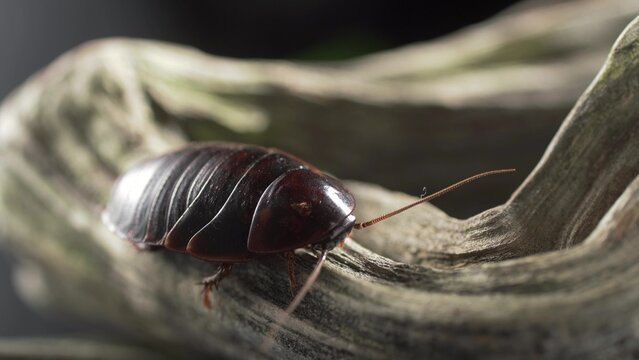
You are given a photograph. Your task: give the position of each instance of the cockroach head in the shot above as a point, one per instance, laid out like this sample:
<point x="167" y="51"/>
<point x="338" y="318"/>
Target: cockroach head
<point x="335" y="237"/>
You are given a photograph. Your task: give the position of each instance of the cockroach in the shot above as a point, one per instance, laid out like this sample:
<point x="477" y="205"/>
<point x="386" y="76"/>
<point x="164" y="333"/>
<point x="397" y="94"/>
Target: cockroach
<point x="230" y="203"/>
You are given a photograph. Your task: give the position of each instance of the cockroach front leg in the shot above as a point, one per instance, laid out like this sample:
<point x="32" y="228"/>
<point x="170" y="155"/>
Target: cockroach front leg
<point x="292" y="271"/>
<point x="213" y="281"/>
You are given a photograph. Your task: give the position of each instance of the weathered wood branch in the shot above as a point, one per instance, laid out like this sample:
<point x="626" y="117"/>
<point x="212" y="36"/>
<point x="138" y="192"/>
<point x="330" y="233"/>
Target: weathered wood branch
<point x="551" y="273"/>
<point x="71" y="349"/>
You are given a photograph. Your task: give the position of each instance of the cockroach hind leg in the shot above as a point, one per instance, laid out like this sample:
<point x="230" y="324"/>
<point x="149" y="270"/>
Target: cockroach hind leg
<point x="292" y="271"/>
<point x="213" y="281"/>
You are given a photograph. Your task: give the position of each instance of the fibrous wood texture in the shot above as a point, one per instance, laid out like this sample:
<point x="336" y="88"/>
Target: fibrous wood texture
<point x="551" y="273"/>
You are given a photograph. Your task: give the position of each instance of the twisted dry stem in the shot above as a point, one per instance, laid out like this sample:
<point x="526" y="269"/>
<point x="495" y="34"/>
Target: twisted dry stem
<point x="551" y="273"/>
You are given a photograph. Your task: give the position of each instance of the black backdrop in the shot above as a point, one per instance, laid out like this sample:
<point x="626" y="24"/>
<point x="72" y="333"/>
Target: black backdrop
<point x="34" y="32"/>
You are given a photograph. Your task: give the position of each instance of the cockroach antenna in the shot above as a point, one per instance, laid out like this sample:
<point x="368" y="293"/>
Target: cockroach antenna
<point x="430" y="197"/>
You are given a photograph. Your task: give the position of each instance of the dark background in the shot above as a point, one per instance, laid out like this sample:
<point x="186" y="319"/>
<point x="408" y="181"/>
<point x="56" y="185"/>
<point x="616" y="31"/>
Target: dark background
<point x="34" y="32"/>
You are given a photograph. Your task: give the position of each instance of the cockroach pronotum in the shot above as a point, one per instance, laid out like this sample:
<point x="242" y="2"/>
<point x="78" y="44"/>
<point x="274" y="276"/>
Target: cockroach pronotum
<point x="230" y="203"/>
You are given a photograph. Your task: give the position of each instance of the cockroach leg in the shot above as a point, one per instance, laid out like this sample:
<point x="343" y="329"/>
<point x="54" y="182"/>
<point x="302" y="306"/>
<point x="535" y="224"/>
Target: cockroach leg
<point x="143" y="247"/>
<point x="292" y="271"/>
<point x="213" y="281"/>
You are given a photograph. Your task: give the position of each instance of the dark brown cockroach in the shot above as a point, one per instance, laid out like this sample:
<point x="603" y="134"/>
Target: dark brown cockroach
<point x="229" y="203"/>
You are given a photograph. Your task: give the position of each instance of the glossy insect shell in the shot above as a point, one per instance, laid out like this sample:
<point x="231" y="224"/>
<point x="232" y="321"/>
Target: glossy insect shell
<point x="229" y="203"/>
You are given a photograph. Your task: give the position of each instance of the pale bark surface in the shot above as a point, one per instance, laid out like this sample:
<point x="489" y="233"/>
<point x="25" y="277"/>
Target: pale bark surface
<point x="553" y="272"/>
